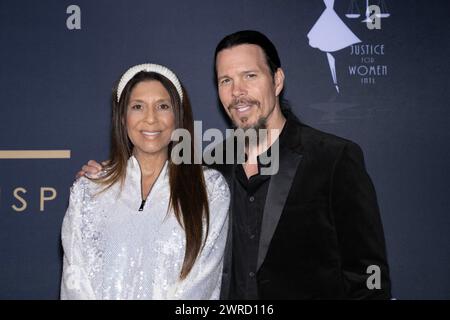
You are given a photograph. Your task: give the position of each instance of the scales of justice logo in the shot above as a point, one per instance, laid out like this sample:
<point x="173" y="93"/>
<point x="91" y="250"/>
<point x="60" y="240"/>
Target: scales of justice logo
<point x="330" y="33"/>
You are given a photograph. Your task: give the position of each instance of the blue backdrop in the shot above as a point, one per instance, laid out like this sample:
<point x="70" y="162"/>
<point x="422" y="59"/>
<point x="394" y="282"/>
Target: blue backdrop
<point x="56" y="81"/>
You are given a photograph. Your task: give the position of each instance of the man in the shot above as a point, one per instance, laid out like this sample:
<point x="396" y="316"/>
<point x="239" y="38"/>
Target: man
<point x="313" y="229"/>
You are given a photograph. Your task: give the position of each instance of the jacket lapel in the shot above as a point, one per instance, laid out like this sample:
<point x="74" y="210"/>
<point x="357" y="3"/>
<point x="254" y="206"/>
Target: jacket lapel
<point x="280" y="184"/>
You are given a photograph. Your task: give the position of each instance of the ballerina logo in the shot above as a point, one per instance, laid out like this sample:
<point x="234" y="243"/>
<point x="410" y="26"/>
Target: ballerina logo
<point x="330" y="34"/>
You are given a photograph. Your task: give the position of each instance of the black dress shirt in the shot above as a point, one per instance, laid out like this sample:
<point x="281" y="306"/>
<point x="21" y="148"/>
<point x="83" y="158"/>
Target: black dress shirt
<point x="249" y="200"/>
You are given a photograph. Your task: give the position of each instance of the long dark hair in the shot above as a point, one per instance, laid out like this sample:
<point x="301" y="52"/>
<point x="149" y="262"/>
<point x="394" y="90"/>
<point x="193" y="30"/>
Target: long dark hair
<point x="251" y="37"/>
<point x="183" y="178"/>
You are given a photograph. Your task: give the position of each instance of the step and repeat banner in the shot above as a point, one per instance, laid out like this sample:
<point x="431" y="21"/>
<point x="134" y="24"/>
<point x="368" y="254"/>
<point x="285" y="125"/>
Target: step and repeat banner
<point x="375" y="72"/>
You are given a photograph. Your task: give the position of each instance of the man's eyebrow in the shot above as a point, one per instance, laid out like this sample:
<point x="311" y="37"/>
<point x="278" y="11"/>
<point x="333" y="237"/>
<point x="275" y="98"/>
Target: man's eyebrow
<point x="241" y="72"/>
<point x="249" y="70"/>
<point x="222" y="76"/>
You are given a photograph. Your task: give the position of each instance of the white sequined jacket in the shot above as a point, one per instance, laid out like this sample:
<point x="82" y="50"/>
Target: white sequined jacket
<point x="114" y="251"/>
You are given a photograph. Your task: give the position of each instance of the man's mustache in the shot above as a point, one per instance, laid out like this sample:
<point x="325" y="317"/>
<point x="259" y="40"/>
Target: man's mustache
<point x="242" y="100"/>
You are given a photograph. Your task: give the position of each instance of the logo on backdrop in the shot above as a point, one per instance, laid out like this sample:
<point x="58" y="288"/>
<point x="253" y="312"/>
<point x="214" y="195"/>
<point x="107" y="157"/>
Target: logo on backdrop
<point x="331" y="34"/>
<point x="46" y="193"/>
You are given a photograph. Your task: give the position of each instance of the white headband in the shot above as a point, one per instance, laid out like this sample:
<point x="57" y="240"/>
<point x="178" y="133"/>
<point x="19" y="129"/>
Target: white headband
<point x="149" y="67"/>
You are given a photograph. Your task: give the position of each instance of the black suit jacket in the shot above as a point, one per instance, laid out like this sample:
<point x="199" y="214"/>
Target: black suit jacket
<point x="321" y="225"/>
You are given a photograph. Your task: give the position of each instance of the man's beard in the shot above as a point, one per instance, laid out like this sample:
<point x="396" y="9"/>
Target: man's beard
<point x="261" y="123"/>
<point x="249" y="130"/>
<point x="252" y="131"/>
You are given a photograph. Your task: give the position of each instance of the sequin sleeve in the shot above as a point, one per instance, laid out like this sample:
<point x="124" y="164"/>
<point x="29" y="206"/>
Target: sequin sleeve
<point x="204" y="280"/>
<point x="75" y="282"/>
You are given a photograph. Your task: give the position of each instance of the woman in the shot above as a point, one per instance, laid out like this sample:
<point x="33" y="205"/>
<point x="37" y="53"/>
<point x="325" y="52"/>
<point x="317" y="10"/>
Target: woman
<point x="146" y="228"/>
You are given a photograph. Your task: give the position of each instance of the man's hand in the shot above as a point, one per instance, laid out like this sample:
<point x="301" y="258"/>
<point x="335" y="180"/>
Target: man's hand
<point x="91" y="169"/>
